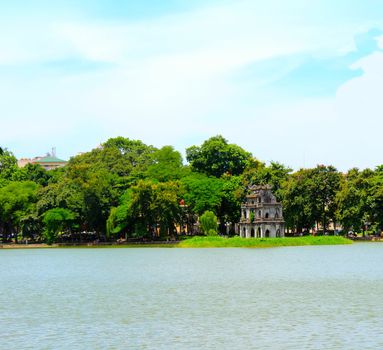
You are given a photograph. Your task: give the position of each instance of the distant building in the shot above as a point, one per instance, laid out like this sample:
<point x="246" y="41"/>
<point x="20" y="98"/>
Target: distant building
<point x="261" y="214"/>
<point x="48" y="162"/>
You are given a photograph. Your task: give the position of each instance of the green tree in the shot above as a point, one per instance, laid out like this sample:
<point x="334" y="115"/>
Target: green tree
<point x="166" y="206"/>
<point x="8" y="164"/>
<point x="374" y="200"/>
<point x="17" y="201"/>
<point x="125" y="159"/>
<point x="121" y="220"/>
<point x="309" y="196"/>
<point x="65" y="194"/>
<point x="146" y="207"/>
<point x="217" y="157"/>
<point x="299" y="209"/>
<point x="56" y="221"/>
<point x="203" y="193"/>
<point x="166" y="166"/>
<point x="222" y="196"/>
<point x="353" y="199"/>
<point x="31" y="226"/>
<point x="209" y="223"/>
<point x="260" y="174"/>
<point x="325" y="183"/>
<point x="32" y="172"/>
<point x="232" y="195"/>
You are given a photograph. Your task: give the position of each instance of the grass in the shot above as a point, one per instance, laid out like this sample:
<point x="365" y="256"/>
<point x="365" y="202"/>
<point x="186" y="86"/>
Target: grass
<point x="237" y="242"/>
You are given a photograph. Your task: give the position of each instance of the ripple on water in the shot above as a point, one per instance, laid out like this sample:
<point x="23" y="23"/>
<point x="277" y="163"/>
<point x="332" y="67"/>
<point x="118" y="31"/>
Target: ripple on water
<point x="285" y="298"/>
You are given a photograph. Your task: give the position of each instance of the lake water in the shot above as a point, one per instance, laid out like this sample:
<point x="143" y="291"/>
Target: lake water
<point x="162" y="298"/>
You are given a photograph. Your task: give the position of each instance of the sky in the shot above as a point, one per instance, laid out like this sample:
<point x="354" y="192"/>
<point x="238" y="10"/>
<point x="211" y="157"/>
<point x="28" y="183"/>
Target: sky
<point x="299" y="82"/>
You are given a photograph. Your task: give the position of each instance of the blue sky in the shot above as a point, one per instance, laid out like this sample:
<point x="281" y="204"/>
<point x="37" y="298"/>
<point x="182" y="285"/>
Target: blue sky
<point x="297" y="82"/>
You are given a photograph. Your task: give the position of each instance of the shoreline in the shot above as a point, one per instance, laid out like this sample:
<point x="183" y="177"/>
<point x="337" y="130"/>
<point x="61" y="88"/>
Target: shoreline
<point x="200" y="242"/>
<point x="89" y="245"/>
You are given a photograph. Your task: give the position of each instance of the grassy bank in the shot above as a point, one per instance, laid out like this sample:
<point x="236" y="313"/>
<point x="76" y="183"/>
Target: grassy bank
<point x="237" y="242"/>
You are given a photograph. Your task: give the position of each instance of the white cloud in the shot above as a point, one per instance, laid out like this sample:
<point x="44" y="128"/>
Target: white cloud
<point x="168" y="82"/>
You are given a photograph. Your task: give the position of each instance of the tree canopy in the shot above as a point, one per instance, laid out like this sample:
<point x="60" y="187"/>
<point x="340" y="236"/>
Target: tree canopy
<point x="216" y="157"/>
<point x="125" y="189"/>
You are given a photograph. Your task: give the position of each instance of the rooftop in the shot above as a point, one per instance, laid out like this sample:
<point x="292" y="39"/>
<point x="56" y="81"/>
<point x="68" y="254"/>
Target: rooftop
<point x="48" y="159"/>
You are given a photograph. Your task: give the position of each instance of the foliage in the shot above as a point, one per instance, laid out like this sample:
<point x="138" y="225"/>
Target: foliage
<point x="217" y="157"/>
<point x="32" y="172"/>
<point x="203" y="193"/>
<point x="166" y="165"/>
<point x="123" y="158"/>
<point x="298" y="207"/>
<point x="127" y="189"/>
<point x="56" y="221"/>
<point x="146" y="209"/>
<point x="17" y="202"/>
<point x="353" y="199"/>
<point x="309" y="196"/>
<point x="275" y="175"/>
<point x="8" y="164"/>
<point x="208" y="222"/>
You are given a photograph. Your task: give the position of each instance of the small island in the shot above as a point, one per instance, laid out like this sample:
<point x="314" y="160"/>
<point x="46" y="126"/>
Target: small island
<point x="237" y="242"/>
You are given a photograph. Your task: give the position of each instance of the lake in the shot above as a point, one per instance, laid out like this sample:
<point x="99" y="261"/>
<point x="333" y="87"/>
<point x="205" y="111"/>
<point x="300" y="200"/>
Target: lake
<point x="316" y="297"/>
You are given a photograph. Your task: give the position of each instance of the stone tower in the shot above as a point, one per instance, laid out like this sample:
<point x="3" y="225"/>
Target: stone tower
<point x="261" y="214"/>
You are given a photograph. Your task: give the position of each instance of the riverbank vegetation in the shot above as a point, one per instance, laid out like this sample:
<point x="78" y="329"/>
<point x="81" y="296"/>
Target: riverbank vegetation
<point x="237" y="242"/>
<point x="205" y="242"/>
<point x="127" y="190"/>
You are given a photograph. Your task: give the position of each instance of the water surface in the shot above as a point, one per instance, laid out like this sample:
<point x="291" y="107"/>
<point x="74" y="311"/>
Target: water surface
<point x="322" y="297"/>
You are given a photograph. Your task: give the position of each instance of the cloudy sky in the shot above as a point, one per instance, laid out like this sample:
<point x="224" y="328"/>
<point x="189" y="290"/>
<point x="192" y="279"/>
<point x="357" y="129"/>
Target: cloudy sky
<point x="299" y="81"/>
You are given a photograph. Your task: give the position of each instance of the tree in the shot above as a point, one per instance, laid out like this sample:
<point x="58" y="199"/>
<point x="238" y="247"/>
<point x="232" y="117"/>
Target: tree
<point x="222" y="196"/>
<point x="325" y="183"/>
<point x="353" y="199"/>
<point x="17" y="201"/>
<point x="146" y="207"/>
<point x="299" y="209"/>
<point x="8" y="164"/>
<point x="309" y="196"/>
<point x="123" y="158"/>
<point x="202" y="193"/>
<point x="260" y="174"/>
<point x="166" y="206"/>
<point x="209" y="224"/>
<point x="56" y="221"/>
<point x="65" y="194"/>
<point x="232" y="195"/>
<point x="217" y="157"/>
<point x="121" y="220"/>
<point x="32" y="172"/>
<point x="374" y="199"/>
<point x="166" y="166"/>
<point x="31" y="226"/>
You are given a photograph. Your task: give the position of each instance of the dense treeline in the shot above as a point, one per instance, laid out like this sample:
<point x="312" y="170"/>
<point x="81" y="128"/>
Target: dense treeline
<point x="127" y="189"/>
